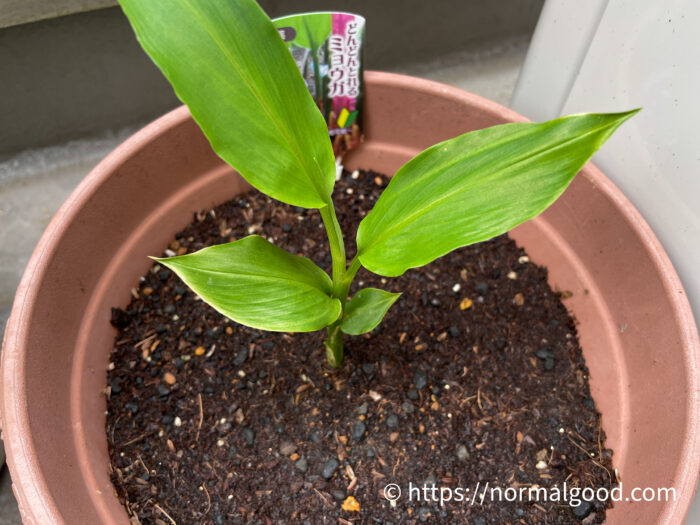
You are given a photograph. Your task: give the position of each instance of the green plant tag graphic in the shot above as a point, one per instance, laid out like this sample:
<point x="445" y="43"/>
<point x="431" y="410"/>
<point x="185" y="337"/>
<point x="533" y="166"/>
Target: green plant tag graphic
<point x="327" y="48"/>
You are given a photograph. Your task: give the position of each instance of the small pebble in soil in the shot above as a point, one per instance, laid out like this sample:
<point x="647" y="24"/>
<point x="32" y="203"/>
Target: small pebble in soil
<point x="412" y="394"/>
<point x="241" y="356"/>
<point x="420" y="379"/>
<point x="362" y="409"/>
<point x="392" y="421"/>
<point x="358" y="430"/>
<point x="465" y="304"/>
<point x="544" y="353"/>
<point x="302" y="465"/>
<point x="329" y="468"/>
<point x="287" y="448"/>
<point x="248" y="436"/>
<point x="462" y="453"/>
<point x="582" y="510"/>
<point x="120" y="318"/>
<point x="407" y="407"/>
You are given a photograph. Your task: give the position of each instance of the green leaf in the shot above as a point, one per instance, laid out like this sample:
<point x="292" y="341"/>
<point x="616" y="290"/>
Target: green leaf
<point x="227" y="62"/>
<point x="366" y="310"/>
<point x="258" y="284"/>
<point x="476" y="186"/>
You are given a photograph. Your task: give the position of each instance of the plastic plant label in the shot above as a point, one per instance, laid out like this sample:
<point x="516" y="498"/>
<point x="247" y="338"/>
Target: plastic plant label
<point x="327" y="48"/>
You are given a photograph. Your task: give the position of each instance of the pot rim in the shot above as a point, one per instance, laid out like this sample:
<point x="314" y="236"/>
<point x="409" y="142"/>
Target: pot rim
<point x="34" y="499"/>
<point x="31" y="491"/>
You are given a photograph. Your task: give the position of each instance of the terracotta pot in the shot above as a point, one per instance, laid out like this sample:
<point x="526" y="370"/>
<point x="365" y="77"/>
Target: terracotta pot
<point x="636" y="327"/>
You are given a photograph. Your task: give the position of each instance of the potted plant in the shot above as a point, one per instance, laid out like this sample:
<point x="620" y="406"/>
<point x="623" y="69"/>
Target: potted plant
<point x="51" y="407"/>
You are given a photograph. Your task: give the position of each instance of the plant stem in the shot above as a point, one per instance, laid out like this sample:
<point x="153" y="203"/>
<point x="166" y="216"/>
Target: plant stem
<point x="335" y="239"/>
<point x="334" y="345"/>
<point x="334" y="340"/>
<point x="342" y="278"/>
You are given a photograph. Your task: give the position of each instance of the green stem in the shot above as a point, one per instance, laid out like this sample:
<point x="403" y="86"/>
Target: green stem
<point x="341" y="283"/>
<point x="334" y="340"/>
<point x="349" y="276"/>
<point x="335" y="239"/>
<point x="334" y="345"/>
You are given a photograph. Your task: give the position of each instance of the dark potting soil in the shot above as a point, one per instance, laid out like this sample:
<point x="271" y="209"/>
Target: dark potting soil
<point x="475" y="376"/>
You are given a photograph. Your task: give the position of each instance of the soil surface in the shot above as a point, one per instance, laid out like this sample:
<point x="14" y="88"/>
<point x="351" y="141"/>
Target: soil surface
<point x="475" y="376"/>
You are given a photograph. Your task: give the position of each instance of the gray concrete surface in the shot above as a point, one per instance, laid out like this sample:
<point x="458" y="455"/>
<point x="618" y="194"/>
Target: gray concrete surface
<point x="9" y="514"/>
<point x="15" y="12"/>
<point x="34" y="183"/>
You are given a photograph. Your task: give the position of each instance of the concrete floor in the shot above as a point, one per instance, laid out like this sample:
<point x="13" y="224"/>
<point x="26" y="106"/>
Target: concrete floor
<point x="35" y="183"/>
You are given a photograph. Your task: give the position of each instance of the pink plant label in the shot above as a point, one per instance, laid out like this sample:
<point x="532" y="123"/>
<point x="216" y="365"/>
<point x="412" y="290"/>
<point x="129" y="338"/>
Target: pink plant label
<point x="327" y="48"/>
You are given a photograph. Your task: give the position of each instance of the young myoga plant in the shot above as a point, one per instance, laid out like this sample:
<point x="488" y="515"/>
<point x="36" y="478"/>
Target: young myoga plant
<point x="227" y="62"/>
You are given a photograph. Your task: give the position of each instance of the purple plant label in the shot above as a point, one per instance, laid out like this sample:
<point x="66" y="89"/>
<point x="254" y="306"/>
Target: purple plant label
<point x="327" y="48"/>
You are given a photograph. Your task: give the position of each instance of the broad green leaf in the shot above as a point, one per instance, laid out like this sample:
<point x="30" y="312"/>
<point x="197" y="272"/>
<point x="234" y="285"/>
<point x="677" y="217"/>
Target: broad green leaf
<point x="227" y="62"/>
<point x="476" y="186"/>
<point x="366" y="310"/>
<point x="257" y="284"/>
